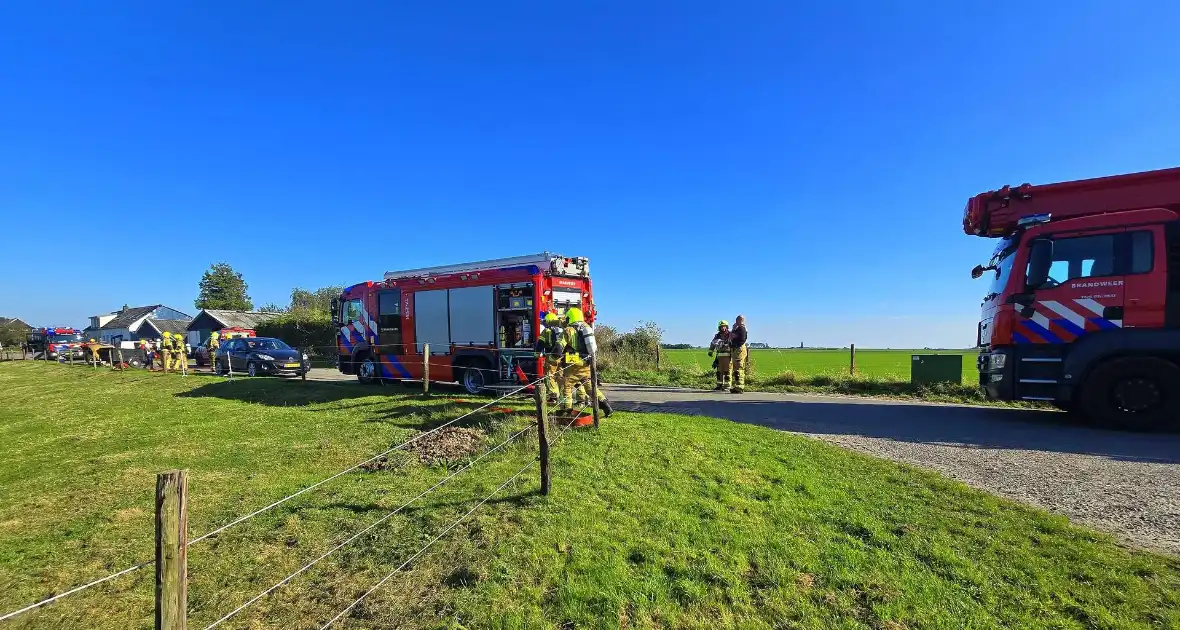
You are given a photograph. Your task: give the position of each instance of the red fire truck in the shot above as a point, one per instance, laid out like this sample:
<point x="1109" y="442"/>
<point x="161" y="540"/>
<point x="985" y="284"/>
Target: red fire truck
<point x="479" y="319"/>
<point x="1084" y="305"/>
<point x="54" y="343"/>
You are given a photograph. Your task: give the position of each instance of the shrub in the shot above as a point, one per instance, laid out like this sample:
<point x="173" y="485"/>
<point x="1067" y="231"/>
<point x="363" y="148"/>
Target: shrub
<point x="309" y="331"/>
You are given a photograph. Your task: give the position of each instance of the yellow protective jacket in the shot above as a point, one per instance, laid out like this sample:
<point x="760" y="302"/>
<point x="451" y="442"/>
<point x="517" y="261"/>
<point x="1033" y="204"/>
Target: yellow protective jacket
<point x="551" y="342"/>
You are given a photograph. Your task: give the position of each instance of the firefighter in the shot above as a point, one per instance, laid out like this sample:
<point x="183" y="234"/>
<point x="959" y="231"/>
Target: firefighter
<point x="145" y="346"/>
<point x="551" y="345"/>
<point x="166" y="352"/>
<point x="739" y="355"/>
<point x="93" y="346"/>
<point x="178" y="353"/>
<point x="579" y="346"/>
<point x="214" y="343"/>
<point x="720" y="347"/>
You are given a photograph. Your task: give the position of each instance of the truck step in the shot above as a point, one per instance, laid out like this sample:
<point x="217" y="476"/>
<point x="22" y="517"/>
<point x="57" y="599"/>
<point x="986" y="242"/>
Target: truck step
<point x="1041" y="398"/>
<point x="1039" y="381"/>
<point x="1041" y="359"/>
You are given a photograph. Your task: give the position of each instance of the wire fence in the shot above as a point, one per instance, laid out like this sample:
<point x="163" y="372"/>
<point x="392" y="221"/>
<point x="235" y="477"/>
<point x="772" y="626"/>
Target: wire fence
<point x="543" y="418"/>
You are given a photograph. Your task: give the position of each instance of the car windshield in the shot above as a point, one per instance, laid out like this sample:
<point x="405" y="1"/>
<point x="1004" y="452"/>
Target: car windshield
<point x="1002" y="260"/>
<point x="266" y="344"/>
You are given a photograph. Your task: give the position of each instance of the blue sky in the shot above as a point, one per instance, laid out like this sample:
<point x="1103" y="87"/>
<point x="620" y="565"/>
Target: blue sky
<point x="804" y="165"/>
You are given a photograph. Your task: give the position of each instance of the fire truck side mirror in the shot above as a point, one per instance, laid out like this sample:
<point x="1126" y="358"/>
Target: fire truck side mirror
<point x="1040" y="258"/>
<point x="335" y="311"/>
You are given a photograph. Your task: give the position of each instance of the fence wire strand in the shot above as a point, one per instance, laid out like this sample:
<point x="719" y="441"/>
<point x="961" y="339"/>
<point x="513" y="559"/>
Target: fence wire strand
<point x="275" y="504"/>
<point x="448" y="528"/>
<point x="364" y="531"/>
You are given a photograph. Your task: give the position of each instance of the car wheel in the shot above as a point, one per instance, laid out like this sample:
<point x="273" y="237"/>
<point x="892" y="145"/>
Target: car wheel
<point x="217" y="369"/>
<point x="366" y="370"/>
<point x="1133" y="393"/>
<point x="252" y="368"/>
<point x="135" y="362"/>
<point x="474" y="378"/>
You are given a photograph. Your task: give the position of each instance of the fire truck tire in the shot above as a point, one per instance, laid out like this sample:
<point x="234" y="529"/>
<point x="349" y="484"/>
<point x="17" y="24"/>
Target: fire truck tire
<point x="1133" y="393"/>
<point x="366" y="369"/>
<point x="472" y="375"/>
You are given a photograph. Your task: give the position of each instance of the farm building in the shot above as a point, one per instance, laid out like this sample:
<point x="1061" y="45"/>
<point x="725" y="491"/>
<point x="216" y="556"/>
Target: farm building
<point x="13" y="331"/>
<point x="14" y="323"/>
<point x="210" y="320"/>
<point x="136" y="322"/>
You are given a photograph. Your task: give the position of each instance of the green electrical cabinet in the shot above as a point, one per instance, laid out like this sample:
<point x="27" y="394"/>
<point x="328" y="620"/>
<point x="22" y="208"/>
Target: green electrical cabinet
<point x="936" y="368"/>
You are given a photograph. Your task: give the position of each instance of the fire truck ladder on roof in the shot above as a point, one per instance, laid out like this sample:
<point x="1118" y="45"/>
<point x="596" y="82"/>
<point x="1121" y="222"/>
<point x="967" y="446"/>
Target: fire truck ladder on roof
<point x="543" y="260"/>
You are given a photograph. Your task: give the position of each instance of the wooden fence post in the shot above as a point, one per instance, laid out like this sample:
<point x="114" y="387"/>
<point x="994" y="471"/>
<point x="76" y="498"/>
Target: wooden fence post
<point x="425" y="368"/>
<point x="594" y="387"/>
<point x="657" y="355"/>
<point x="171" y="553"/>
<point x="542" y="435"/>
<point x="852" y="359"/>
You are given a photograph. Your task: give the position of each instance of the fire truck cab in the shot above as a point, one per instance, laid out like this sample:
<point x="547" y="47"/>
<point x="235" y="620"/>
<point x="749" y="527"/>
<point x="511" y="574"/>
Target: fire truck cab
<point x="55" y="343"/>
<point x="473" y="323"/>
<point x="1083" y="307"/>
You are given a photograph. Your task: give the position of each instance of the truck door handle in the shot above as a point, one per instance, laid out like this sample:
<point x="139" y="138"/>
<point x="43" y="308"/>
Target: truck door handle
<point x="1112" y="312"/>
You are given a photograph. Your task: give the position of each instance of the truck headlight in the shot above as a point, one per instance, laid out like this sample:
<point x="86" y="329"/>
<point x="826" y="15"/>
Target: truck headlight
<point x="999" y="361"/>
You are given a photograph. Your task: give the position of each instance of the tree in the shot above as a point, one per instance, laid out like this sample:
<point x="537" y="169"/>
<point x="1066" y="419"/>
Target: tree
<point x="318" y="302"/>
<point x="271" y="307"/>
<point x="223" y="288"/>
<point x="13" y="334"/>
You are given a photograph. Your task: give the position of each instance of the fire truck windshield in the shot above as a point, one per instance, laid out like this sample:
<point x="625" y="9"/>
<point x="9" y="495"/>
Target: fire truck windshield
<point x="1001" y="262"/>
<point x="74" y="338"/>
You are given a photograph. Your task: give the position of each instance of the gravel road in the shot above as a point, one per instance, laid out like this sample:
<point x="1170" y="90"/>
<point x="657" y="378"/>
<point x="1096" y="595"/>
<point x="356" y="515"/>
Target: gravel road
<point x="1124" y="483"/>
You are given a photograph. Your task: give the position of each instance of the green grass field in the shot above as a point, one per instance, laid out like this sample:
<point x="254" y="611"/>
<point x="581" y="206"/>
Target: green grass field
<point x="884" y="373"/>
<point x="655" y="521"/>
<point x="894" y="364"/>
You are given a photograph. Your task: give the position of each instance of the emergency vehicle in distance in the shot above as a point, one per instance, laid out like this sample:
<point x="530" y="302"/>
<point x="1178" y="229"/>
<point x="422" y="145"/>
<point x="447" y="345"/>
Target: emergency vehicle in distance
<point x="1084" y="305"/>
<point x="480" y="319"/>
<point x="56" y="342"/>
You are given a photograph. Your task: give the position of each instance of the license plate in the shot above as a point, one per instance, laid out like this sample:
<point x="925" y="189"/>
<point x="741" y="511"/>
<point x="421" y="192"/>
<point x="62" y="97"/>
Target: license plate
<point x="291" y="365"/>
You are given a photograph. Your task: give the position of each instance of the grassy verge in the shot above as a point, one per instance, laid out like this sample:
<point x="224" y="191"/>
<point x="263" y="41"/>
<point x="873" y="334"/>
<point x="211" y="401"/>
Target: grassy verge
<point x="838" y="383"/>
<point x="655" y="521"/>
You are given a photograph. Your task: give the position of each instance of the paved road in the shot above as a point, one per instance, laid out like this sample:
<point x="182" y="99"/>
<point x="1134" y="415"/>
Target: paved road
<point x="1124" y="483"/>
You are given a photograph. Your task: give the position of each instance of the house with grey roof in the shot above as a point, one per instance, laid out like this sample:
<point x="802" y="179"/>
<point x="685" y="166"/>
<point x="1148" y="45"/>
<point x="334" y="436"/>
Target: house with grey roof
<point x="131" y="323"/>
<point x="212" y="319"/>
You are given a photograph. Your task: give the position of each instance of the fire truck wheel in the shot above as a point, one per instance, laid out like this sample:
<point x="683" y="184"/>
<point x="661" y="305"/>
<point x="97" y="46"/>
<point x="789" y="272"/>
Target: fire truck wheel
<point x="1135" y="393"/>
<point x="473" y="376"/>
<point x="366" y="369"/>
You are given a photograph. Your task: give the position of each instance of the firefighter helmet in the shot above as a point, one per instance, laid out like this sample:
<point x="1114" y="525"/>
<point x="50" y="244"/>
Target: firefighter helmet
<point x="574" y="315"/>
<point x="723" y="324"/>
<point x="551" y="318"/>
